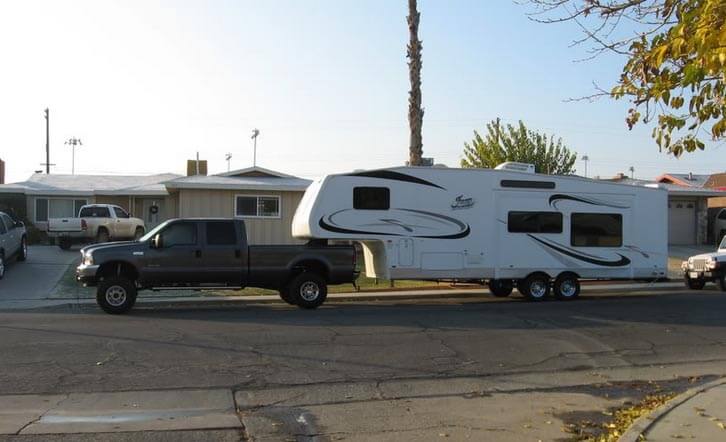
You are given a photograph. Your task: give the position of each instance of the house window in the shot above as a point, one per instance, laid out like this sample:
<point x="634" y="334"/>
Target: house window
<point x="596" y="230"/>
<point x="534" y="222"/>
<point x="371" y="198"/>
<point x="57" y="208"/>
<point x="257" y="206"/>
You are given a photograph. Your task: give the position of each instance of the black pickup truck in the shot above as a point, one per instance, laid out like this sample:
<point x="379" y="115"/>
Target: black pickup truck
<point x="211" y="253"/>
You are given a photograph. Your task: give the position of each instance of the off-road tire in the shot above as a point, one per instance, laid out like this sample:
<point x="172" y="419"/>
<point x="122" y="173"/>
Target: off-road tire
<point x="286" y="296"/>
<point x="116" y="295"/>
<point x="309" y="290"/>
<point x="695" y="284"/>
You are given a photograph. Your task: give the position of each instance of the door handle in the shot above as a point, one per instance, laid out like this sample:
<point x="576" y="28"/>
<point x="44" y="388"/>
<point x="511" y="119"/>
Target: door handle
<point x="198" y="253"/>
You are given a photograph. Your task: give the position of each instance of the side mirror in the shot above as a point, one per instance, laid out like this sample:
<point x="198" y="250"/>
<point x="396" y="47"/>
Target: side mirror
<point x="157" y="242"/>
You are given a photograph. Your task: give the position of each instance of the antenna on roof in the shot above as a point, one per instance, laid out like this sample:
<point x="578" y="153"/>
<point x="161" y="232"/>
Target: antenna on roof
<point x="73" y="142"/>
<point x="227" y="157"/>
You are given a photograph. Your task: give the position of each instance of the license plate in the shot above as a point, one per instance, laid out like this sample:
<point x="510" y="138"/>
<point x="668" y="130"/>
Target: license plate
<point x="693" y="275"/>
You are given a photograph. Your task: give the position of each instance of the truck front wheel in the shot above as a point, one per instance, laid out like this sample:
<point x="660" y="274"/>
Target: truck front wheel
<point x="308" y="290"/>
<point x="116" y="295"/>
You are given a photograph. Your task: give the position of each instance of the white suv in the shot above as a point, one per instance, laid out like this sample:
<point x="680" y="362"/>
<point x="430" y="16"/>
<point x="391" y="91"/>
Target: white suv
<point x="707" y="267"/>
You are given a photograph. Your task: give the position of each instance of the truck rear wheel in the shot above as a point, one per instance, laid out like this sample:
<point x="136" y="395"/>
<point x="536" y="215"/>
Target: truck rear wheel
<point x="501" y="288"/>
<point x="308" y="290"/>
<point x="138" y="233"/>
<point x="116" y="295"/>
<point x="102" y="235"/>
<point x="64" y="243"/>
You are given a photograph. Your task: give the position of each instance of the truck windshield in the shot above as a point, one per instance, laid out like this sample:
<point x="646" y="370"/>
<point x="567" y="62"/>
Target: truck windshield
<point x="723" y="243"/>
<point x="150" y="234"/>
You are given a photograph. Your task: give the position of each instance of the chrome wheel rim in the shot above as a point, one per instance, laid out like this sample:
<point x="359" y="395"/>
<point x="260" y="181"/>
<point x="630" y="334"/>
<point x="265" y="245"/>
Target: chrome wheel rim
<point x="568" y="288"/>
<point x="538" y="289"/>
<point x="25" y="249"/>
<point x="309" y="291"/>
<point x="115" y="295"/>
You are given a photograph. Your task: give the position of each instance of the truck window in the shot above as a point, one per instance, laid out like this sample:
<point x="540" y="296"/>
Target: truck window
<point x="95" y="212"/>
<point x="120" y="213"/>
<point x="371" y="198"/>
<point x="534" y="222"/>
<point x="221" y="233"/>
<point x="179" y="234"/>
<point x="596" y="230"/>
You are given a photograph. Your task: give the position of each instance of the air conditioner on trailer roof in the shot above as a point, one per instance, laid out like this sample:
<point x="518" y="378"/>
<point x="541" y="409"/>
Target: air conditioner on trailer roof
<point x="516" y="167"/>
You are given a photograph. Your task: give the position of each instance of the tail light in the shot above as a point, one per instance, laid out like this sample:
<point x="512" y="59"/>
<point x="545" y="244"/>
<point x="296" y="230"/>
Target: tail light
<point x="84" y="225"/>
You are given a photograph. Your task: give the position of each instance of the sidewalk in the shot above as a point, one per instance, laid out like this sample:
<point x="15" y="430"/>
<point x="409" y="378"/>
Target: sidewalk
<point x="698" y="414"/>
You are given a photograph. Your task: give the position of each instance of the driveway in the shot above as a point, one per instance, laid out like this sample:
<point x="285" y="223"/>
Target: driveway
<point x="35" y="278"/>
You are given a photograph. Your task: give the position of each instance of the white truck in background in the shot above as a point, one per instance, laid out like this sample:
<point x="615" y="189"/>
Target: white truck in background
<point x="95" y="222"/>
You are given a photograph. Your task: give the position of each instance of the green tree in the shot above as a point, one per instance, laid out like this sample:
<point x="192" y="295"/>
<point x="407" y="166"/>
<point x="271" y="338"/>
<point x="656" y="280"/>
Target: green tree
<point x="675" y="63"/>
<point x="517" y="143"/>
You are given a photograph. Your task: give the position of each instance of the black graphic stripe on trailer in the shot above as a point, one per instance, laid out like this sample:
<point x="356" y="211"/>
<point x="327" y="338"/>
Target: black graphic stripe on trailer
<point x="396" y="176"/>
<point x="623" y="261"/>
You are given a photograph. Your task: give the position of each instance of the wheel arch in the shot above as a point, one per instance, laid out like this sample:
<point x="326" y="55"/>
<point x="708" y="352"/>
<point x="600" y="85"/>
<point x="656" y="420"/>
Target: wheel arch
<point x="118" y="268"/>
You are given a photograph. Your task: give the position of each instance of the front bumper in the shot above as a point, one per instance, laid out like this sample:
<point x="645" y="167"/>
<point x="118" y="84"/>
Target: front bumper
<point x="86" y="274"/>
<point x="706" y="275"/>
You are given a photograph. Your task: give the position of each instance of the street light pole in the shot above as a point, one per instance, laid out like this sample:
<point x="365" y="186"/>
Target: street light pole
<point x="73" y="142"/>
<point x="585" y="158"/>
<point x="255" y="134"/>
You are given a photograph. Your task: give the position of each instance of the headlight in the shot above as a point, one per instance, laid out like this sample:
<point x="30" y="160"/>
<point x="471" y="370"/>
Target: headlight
<point x="88" y="259"/>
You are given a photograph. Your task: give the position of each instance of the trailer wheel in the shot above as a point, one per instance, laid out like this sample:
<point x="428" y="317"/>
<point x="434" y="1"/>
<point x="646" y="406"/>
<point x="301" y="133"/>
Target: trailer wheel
<point x="501" y="288"/>
<point x="308" y="290"/>
<point x="695" y="284"/>
<point x="535" y="287"/>
<point x="566" y="287"/>
<point x="116" y="295"/>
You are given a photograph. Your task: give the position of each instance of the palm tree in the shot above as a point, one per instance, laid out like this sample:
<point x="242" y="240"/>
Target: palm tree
<point x="415" y="112"/>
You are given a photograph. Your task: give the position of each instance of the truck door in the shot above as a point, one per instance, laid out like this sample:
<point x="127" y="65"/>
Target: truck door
<point x="179" y="259"/>
<point x="122" y="228"/>
<point x="224" y="255"/>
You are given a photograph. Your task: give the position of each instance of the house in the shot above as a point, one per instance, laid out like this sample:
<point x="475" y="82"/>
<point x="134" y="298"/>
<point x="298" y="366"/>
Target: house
<point x="265" y="199"/>
<point x="689" y="217"/>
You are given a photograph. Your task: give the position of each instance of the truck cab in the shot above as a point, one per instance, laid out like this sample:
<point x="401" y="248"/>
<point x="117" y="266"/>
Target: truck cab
<point x="707" y="267"/>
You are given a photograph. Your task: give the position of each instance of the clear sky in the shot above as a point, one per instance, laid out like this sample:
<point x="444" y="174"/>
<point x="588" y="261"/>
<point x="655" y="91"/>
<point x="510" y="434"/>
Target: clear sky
<point x="146" y="84"/>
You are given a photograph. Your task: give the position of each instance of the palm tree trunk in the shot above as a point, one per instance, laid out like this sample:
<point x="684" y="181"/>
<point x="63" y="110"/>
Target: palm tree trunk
<point x="415" y="112"/>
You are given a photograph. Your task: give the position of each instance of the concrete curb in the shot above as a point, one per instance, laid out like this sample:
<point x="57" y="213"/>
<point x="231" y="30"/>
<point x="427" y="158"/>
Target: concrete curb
<point x="643" y="424"/>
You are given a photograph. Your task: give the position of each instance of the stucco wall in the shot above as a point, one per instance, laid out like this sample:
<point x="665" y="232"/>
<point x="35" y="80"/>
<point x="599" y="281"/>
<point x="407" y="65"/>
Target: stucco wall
<point x="220" y="203"/>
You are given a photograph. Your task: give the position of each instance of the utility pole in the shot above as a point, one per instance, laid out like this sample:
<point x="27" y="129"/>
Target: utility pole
<point x="632" y="172"/>
<point x="47" y="141"/>
<point x="73" y="142"/>
<point x="255" y="134"/>
<point x="585" y="158"/>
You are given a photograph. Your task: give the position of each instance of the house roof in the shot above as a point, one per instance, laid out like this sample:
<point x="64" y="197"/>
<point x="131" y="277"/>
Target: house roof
<point x="256" y="171"/>
<point x="82" y="185"/>
<point x="673" y="189"/>
<point x="217" y="182"/>
<point x="684" y="179"/>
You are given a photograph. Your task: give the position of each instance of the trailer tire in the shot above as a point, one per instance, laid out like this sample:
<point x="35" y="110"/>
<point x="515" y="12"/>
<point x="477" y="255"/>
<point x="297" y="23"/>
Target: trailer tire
<point x="308" y="290"/>
<point x="695" y="284"/>
<point x="566" y="287"/>
<point x="116" y="295"/>
<point x="501" y="288"/>
<point x="535" y="287"/>
<point x="64" y="243"/>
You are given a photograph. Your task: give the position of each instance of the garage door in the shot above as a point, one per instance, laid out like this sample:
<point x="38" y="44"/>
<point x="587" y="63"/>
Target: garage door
<point x="681" y="222"/>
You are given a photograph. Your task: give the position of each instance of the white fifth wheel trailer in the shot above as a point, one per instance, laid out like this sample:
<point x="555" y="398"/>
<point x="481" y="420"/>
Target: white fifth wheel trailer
<point x="540" y="233"/>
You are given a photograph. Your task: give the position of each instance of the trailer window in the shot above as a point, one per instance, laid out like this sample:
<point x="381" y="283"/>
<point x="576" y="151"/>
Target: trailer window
<point x="596" y="230"/>
<point x="534" y="222"/>
<point x="371" y="198"/>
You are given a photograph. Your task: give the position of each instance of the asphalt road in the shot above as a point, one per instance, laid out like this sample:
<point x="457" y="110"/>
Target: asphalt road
<point x="270" y="354"/>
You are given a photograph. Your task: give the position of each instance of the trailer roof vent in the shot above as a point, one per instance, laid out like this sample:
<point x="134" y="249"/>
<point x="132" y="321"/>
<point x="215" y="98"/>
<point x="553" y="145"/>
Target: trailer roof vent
<point x="516" y="167"/>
